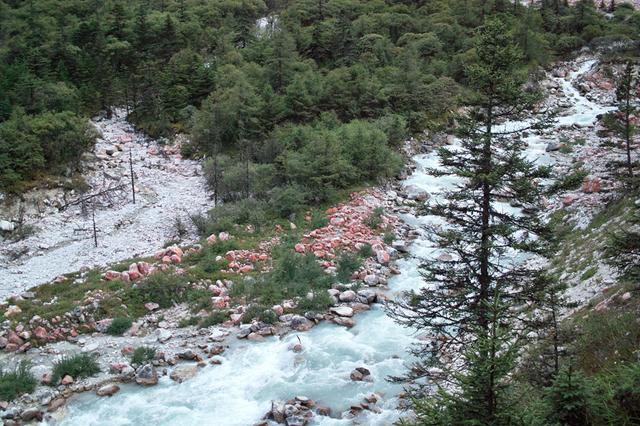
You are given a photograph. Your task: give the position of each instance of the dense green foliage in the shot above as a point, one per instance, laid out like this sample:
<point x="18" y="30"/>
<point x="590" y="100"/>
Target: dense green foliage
<point x="317" y="80"/>
<point x="17" y="382"/>
<point x="76" y="366"/>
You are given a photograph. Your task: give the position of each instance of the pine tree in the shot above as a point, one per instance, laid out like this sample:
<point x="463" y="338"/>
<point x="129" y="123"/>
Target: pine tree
<point x="484" y="295"/>
<point x="628" y="99"/>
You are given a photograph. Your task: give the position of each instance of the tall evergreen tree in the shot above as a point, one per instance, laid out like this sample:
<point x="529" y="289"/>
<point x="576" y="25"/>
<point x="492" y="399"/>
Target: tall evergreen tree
<point x="478" y="305"/>
<point x="628" y="99"/>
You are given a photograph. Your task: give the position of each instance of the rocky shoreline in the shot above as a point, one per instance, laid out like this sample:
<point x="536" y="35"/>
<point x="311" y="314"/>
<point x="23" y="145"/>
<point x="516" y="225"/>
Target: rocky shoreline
<point x="181" y="351"/>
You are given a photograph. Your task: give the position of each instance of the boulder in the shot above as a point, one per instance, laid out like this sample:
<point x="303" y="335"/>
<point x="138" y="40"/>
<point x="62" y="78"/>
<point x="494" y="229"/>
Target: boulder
<point x="147" y="375"/>
<point x="12" y="311"/>
<point x="344" y="321"/>
<point x="212" y="239"/>
<point x="31" y="414"/>
<point x="112" y="275"/>
<point x="66" y="380"/>
<point x="7" y="226"/>
<point x="347" y="296"/>
<point x="342" y="311"/>
<point x="300" y="323"/>
<point x="412" y="192"/>
<point x="183" y="372"/>
<point x="41" y="333"/>
<point x="383" y="257"/>
<point x="359" y="374"/>
<point x="552" y="146"/>
<point x="108" y="390"/>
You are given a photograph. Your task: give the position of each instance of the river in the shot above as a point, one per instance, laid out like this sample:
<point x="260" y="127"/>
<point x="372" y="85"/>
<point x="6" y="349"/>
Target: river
<point x="240" y="391"/>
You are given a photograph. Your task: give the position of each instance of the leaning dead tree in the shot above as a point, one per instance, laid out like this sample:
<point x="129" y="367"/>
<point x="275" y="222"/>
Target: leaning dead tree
<point x="106" y="195"/>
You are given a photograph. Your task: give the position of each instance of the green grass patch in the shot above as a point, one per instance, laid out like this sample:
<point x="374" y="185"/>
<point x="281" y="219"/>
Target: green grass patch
<point x="119" y="325"/>
<point x="76" y="366"/>
<point x="143" y="354"/>
<point x="17" y="382"/>
<point x="588" y="273"/>
<point x="215" y="318"/>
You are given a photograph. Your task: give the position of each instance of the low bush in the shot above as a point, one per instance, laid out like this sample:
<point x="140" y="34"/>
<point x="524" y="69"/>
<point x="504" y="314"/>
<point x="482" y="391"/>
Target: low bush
<point x="17" y="382"/>
<point x="366" y="251"/>
<point x="143" y="354"/>
<point x="215" y="318"/>
<point x="119" y="325"/>
<point x="348" y="263"/>
<point x="163" y="289"/>
<point x="389" y="237"/>
<point x="569" y="182"/>
<point x="317" y="303"/>
<point x="260" y="313"/>
<point x="318" y="220"/>
<point x="76" y="366"/>
<point x="374" y="220"/>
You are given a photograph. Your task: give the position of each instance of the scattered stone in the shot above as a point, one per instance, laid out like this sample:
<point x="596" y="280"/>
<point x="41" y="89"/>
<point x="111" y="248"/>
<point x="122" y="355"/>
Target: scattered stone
<point x="343" y="311"/>
<point x="147" y="375"/>
<point x="108" y="390"/>
<point x="360" y="374"/>
<point x="183" y="372"/>
<point x="347" y="296"/>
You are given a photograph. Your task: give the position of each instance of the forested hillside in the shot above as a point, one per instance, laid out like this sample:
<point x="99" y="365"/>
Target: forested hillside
<point x="282" y="96"/>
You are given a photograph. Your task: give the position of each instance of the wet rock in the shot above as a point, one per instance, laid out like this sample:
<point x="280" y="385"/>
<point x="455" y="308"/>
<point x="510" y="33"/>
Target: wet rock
<point x="369" y="295"/>
<point x="412" y="192"/>
<point x="183" y="372"/>
<point x="31" y="414"/>
<point x="108" y="390"/>
<point x="300" y="323"/>
<point x="360" y="374"/>
<point x="552" y="146"/>
<point x="147" y="375"/>
<point x="343" y="311"/>
<point x="56" y="404"/>
<point x="344" y="321"/>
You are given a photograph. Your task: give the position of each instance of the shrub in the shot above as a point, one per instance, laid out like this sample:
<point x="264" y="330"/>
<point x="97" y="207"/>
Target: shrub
<point x="571" y="181"/>
<point x="366" y="251"/>
<point x="318" y="302"/>
<point x="374" y="220"/>
<point x="186" y="322"/>
<point x="348" y="263"/>
<point x="260" y="313"/>
<point x="76" y="366"/>
<point x="216" y="317"/>
<point x="389" y="237"/>
<point x="286" y="200"/>
<point x="570" y="398"/>
<point x="119" y="325"/>
<point x="318" y="220"/>
<point x="16" y="382"/>
<point x="160" y="288"/>
<point x="143" y="354"/>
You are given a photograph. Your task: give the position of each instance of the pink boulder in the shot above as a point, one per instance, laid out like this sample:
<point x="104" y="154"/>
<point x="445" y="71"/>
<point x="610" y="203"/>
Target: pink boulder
<point x="112" y="275"/>
<point x="144" y="268"/>
<point x="211" y="239"/>
<point x="41" y="333"/>
<point x="278" y="310"/>
<point x="224" y="236"/>
<point x="383" y="257"/>
<point x="300" y="248"/>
